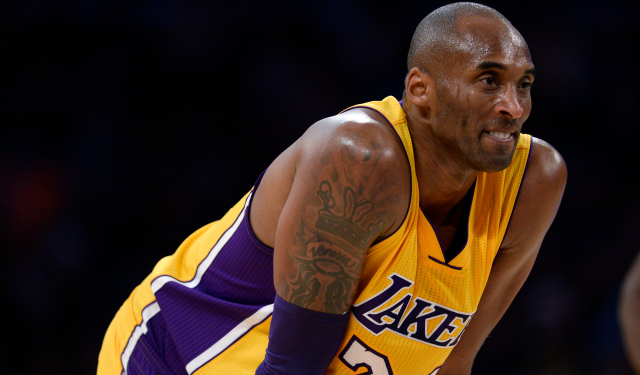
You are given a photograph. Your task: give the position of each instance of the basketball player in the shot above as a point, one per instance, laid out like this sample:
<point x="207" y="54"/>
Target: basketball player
<point x="629" y="314"/>
<point x="374" y="240"/>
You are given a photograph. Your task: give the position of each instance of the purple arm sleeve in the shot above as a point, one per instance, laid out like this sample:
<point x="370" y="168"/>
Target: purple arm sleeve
<point x="301" y="341"/>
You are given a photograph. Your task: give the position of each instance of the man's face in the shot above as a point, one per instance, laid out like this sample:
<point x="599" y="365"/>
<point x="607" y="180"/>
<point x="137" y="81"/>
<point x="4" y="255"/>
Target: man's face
<point x="483" y="94"/>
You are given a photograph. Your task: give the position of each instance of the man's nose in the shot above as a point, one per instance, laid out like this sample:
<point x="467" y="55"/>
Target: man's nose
<point x="510" y="104"/>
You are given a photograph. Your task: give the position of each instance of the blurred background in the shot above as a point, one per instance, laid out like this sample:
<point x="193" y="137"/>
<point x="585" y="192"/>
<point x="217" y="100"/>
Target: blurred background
<point x="127" y="125"/>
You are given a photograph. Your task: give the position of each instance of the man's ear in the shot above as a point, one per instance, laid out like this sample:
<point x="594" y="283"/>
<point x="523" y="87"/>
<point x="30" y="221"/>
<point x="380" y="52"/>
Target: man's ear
<point x="419" y="88"/>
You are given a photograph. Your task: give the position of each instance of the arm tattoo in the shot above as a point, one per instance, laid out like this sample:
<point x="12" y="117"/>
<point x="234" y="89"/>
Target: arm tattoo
<point x="327" y="272"/>
<point x="346" y="226"/>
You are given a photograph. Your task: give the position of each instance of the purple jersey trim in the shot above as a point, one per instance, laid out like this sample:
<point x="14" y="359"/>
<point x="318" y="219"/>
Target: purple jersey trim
<point x="145" y="360"/>
<point x="234" y="286"/>
<point x="444" y="264"/>
<point x="237" y="283"/>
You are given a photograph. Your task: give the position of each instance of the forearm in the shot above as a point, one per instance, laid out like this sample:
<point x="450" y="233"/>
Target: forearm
<point x="630" y="321"/>
<point x="460" y="361"/>
<point x="538" y="202"/>
<point x="507" y="277"/>
<point x="629" y="315"/>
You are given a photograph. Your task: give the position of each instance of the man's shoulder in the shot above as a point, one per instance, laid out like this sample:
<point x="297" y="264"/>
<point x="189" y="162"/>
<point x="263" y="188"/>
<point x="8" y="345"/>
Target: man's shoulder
<point x="545" y="162"/>
<point x="538" y="200"/>
<point x="358" y="131"/>
<point x="359" y="150"/>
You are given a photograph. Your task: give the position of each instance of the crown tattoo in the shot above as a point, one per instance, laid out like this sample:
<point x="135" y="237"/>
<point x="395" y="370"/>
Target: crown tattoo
<point x="345" y="226"/>
<point x="306" y="235"/>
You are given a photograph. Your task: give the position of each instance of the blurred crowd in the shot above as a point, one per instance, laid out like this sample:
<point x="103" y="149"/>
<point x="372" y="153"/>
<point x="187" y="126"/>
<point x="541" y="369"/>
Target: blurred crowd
<point x="128" y="125"/>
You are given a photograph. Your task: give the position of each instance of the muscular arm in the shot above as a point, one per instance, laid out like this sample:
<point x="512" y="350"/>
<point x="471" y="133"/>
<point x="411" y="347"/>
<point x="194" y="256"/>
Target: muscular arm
<point x="629" y="314"/>
<point x="350" y="185"/>
<point x="347" y="191"/>
<point x="538" y="202"/>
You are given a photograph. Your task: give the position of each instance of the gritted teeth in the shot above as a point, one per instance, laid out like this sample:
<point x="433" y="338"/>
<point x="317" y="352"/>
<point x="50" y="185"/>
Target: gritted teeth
<point x="500" y="135"/>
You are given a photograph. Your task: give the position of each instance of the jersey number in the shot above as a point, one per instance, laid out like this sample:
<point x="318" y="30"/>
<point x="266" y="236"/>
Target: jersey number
<point x="357" y="354"/>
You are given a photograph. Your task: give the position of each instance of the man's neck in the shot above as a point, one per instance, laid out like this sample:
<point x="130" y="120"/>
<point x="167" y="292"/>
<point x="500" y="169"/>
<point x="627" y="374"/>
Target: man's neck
<point x="442" y="180"/>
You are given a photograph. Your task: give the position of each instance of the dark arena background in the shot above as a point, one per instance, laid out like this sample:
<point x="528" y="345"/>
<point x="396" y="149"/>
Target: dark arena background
<point x="128" y="125"/>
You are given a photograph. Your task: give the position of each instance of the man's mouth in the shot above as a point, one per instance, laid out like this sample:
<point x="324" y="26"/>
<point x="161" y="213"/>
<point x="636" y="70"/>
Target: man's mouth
<point x="501" y="135"/>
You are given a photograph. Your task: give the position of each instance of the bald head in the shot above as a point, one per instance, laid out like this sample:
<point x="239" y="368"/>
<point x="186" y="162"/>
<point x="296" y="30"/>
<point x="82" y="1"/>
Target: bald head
<point x="440" y="33"/>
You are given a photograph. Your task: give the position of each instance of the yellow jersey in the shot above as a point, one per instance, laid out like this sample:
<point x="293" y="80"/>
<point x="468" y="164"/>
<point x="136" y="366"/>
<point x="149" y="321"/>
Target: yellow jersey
<point x="413" y="303"/>
<point x="206" y="309"/>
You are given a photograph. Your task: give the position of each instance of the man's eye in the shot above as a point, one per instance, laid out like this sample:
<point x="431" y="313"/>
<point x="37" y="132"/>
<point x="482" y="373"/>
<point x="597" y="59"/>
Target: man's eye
<point x="526" y="85"/>
<point x="489" y="81"/>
